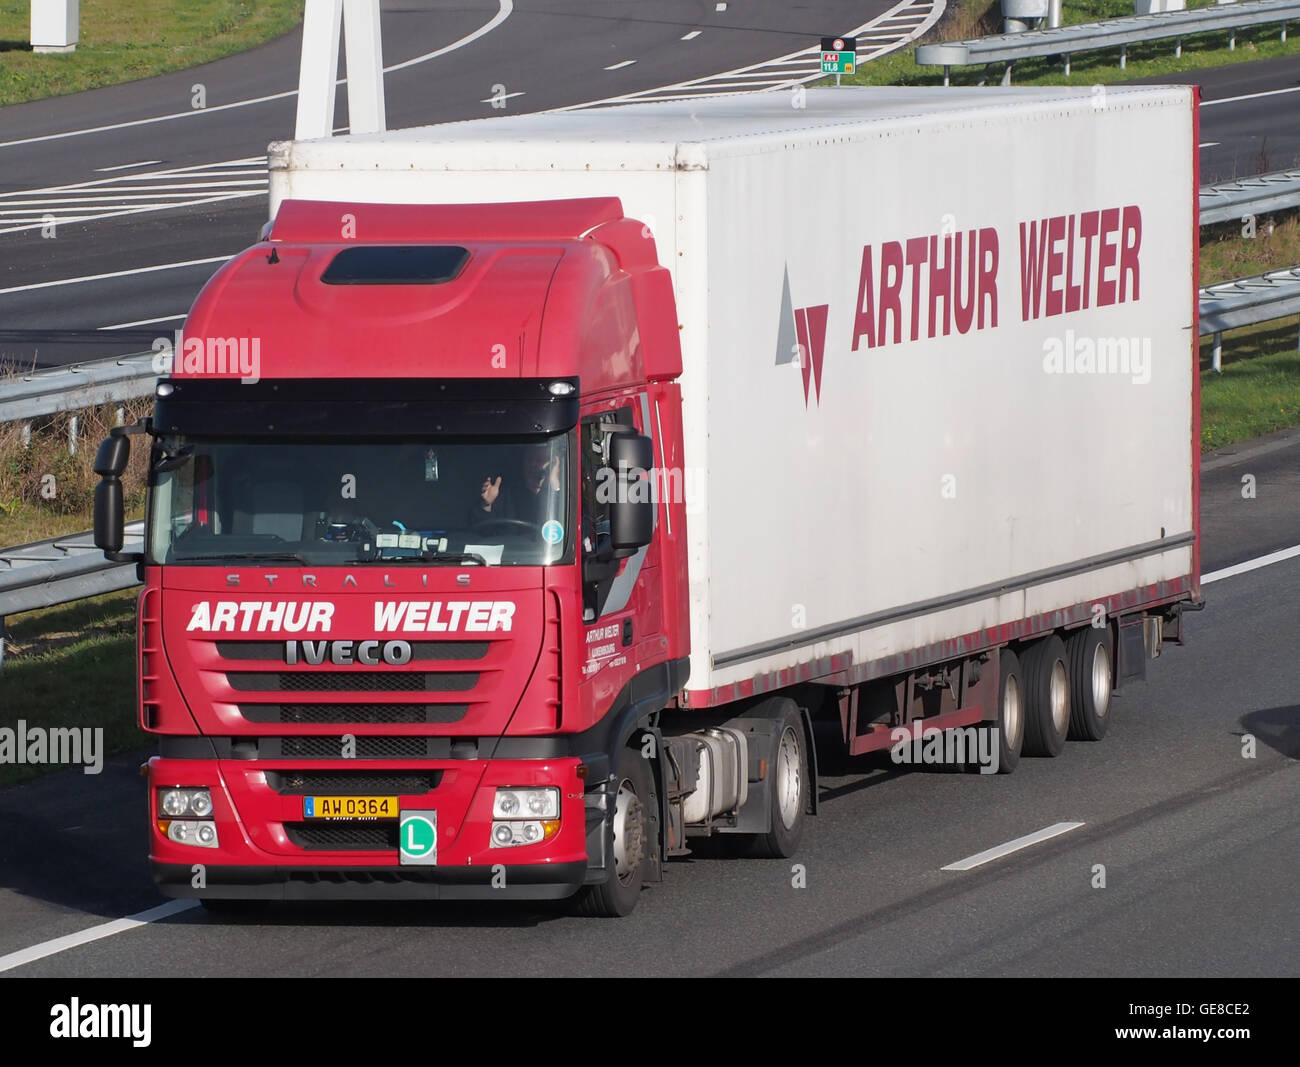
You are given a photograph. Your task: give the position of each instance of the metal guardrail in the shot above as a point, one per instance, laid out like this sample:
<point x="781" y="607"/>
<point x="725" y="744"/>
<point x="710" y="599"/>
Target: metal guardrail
<point x="1246" y="302"/>
<point x="1108" y="33"/>
<point x="65" y="569"/>
<point x="1250" y="196"/>
<point x="80" y="385"/>
<point x="59" y="571"/>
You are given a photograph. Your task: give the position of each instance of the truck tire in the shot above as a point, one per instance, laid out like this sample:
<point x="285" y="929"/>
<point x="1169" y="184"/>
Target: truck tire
<point x="1008" y="732"/>
<point x="787" y="785"/>
<point x="630" y="843"/>
<point x="1092" y="677"/>
<point x="1047" y="697"/>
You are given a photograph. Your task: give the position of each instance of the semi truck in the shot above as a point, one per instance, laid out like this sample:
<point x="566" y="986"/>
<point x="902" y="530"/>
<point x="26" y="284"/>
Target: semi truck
<point x="526" y="502"/>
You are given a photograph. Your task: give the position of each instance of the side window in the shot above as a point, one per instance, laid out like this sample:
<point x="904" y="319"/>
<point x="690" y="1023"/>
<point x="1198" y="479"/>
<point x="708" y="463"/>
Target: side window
<point x="599" y="565"/>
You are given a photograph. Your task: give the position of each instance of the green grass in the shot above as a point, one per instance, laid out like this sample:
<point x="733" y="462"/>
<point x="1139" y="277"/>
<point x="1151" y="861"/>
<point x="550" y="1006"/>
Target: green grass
<point x="123" y="40"/>
<point x="976" y="18"/>
<point x="1226" y="253"/>
<point x="72" y="666"/>
<point x="22" y="523"/>
<point x="1259" y="389"/>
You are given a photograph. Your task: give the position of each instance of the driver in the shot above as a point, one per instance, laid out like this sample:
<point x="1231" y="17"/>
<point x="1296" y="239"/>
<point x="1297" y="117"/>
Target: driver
<point x="534" y="496"/>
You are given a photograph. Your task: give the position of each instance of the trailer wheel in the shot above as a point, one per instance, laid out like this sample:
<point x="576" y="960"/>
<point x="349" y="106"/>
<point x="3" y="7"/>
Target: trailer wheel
<point x="1092" y="677"/>
<point x="787" y="785"/>
<point x="630" y="844"/>
<point x="1008" y="732"/>
<point x="1047" y="697"/>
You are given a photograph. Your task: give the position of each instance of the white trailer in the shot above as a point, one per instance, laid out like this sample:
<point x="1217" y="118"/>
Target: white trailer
<point x="940" y="389"/>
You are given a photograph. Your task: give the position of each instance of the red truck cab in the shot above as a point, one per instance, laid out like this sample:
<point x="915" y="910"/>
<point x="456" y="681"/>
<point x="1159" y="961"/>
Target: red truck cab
<point x="409" y="606"/>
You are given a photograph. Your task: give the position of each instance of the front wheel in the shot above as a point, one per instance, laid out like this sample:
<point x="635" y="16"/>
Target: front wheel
<point x="788" y="785"/>
<point x="630" y="845"/>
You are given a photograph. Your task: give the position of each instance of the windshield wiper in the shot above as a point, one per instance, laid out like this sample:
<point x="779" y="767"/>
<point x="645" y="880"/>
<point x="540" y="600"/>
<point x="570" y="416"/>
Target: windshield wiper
<point x="283" y="557"/>
<point x="452" y="557"/>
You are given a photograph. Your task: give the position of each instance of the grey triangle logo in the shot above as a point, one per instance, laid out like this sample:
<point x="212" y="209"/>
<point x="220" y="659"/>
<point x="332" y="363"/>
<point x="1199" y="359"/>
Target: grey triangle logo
<point x="787" y="342"/>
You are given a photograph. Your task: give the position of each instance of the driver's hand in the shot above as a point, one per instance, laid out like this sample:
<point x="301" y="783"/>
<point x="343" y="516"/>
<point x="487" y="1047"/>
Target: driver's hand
<point x="490" y="491"/>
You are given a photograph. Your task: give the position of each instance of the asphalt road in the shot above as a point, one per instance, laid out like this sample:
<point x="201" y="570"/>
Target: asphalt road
<point x="1250" y="116"/>
<point x="546" y="54"/>
<point x="1198" y="843"/>
<point x="555" y="53"/>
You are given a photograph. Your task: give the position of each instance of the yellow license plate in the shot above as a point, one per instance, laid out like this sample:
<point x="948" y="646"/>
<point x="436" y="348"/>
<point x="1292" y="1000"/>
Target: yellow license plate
<point x="349" y="807"/>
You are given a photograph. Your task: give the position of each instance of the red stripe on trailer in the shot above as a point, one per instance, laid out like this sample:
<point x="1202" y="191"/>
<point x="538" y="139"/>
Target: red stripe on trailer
<point x="839" y="669"/>
<point x="1196" y="338"/>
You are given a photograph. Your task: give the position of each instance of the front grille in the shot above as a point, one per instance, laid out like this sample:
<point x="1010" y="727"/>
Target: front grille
<point x="361" y="713"/>
<point x="366" y="747"/>
<point x="352" y="783"/>
<point x="343" y="836"/>
<point x="310" y="681"/>
<point x="270" y="651"/>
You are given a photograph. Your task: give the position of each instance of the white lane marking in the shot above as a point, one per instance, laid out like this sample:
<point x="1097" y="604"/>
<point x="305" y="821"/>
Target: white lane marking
<point x="115" y="274"/>
<point x="691" y="36"/>
<point x="504" y="10"/>
<point x="131" y="211"/>
<point x="143" y="322"/>
<point x="720" y="7"/>
<point x="1208" y="144"/>
<point x="792" y="69"/>
<point x="198" y="170"/>
<point x="127" y="166"/>
<point x="988" y="855"/>
<point x="503" y="96"/>
<point x="139" y="192"/>
<point x="620" y="66"/>
<point x="1250" y="96"/>
<point x="1251" y="564"/>
<point x="25" y="956"/>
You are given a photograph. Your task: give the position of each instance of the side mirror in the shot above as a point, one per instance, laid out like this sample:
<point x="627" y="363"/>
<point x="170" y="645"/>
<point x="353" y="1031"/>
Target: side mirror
<point x="632" y="512"/>
<point x="109" y="516"/>
<point x="111" y="459"/>
<point x="110" y="510"/>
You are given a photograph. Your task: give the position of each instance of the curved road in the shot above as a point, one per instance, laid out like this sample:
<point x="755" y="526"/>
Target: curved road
<point x="1198" y="843"/>
<point x="444" y="64"/>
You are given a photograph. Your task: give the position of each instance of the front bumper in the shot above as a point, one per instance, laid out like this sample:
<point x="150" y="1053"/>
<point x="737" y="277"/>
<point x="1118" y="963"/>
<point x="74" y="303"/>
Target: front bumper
<point x="552" y="881"/>
<point x="268" y="849"/>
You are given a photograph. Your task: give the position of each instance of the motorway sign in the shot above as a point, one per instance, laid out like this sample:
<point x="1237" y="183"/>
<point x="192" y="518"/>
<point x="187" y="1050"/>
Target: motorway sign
<point x="839" y="55"/>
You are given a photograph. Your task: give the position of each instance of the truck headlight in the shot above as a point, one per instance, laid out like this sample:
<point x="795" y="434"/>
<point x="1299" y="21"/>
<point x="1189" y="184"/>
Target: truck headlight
<point x="539" y="803"/>
<point x="176" y="802"/>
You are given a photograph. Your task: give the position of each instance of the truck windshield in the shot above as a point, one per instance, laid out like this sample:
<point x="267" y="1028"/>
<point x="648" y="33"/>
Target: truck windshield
<point x="325" y="502"/>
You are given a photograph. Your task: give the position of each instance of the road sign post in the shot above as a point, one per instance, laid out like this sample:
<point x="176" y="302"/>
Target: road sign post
<point x="56" y="25"/>
<point x="839" y="56"/>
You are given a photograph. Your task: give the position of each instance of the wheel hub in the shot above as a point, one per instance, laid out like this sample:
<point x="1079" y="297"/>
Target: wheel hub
<point x="1060" y="697"/>
<point x="1101" y="680"/>
<point x="629" y="832"/>
<point x="789" y="778"/>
